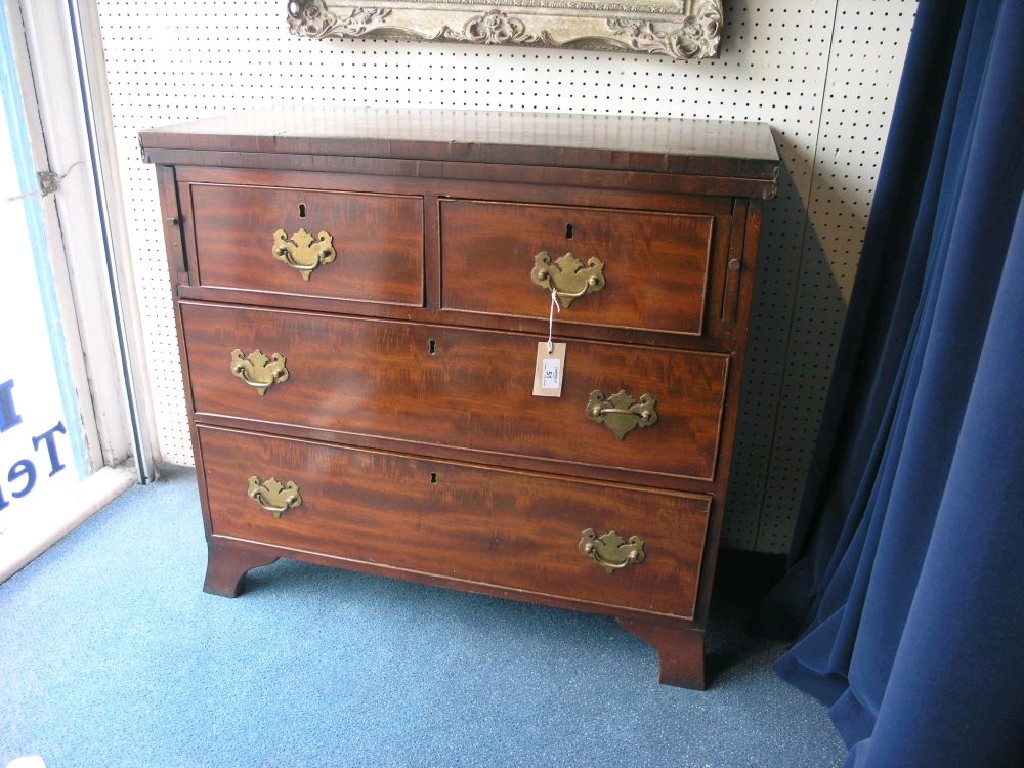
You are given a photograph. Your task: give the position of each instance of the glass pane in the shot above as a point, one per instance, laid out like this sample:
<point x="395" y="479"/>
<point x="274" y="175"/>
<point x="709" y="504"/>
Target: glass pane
<point x="42" y="450"/>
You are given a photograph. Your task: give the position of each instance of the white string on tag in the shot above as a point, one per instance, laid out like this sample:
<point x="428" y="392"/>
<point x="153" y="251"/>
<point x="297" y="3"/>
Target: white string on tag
<point x="551" y="320"/>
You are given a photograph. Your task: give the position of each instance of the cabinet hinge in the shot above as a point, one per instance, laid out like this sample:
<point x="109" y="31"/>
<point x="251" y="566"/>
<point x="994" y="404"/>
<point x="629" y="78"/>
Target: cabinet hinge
<point x="48" y="182"/>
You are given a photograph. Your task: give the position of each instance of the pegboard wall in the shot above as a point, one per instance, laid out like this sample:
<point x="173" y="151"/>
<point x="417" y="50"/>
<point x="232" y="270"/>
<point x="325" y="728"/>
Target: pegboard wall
<point x="822" y="74"/>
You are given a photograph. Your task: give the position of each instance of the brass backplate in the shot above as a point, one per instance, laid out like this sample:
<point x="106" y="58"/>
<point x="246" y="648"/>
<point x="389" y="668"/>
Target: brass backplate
<point x="611" y="551"/>
<point x="302" y="251"/>
<point x="621" y="412"/>
<point x="274" y="496"/>
<point x="567" y="277"/>
<point x="259" y="371"/>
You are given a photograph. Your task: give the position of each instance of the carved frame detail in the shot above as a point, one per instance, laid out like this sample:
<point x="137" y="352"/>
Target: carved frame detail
<point x="682" y="29"/>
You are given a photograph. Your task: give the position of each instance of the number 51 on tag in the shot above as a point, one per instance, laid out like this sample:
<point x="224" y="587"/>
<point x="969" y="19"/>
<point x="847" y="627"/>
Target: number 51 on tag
<point x="547" y="378"/>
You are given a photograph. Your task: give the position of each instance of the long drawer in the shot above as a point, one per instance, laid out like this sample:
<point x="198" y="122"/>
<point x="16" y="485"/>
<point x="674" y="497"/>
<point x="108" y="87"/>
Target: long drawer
<point x="615" y="268"/>
<point x="661" y="409"/>
<point x="476" y="525"/>
<point x="343" y="245"/>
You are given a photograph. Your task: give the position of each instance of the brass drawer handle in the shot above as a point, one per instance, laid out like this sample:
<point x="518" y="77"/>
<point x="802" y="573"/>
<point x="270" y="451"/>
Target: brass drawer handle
<point x="621" y="413"/>
<point x="611" y="551"/>
<point x="303" y="252"/>
<point x="567" y="277"/>
<point x="259" y="371"/>
<point x="273" y="496"/>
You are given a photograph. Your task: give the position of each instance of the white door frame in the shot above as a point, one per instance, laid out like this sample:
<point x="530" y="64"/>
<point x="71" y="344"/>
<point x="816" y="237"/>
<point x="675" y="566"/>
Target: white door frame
<point x="59" y="58"/>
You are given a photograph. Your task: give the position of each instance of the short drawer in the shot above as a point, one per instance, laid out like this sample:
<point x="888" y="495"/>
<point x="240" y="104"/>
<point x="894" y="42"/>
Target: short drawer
<point x="460" y="388"/>
<point x="474" y="525"/>
<point x="650" y="269"/>
<point x="342" y="245"/>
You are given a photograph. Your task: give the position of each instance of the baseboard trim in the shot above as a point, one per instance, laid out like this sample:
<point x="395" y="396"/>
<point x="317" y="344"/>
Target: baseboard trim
<point x="24" y="539"/>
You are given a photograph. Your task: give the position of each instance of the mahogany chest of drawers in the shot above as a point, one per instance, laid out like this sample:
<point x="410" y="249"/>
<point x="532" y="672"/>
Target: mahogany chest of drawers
<point x="368" y="300"/>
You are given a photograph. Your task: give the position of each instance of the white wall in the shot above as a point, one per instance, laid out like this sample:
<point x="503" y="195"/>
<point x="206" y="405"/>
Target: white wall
<point x="822" y="74"/>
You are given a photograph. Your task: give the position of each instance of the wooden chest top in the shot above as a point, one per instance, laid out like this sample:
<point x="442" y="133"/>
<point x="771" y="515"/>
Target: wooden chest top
<point x="742" y="155"/>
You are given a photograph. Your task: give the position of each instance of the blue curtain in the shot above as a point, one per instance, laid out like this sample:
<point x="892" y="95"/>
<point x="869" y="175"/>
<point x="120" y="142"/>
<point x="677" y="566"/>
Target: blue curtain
<point x="906" y="581"/>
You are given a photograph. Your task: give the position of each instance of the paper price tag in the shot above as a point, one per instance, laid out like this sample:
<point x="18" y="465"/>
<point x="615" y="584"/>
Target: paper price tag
<point x="550" y="369"/>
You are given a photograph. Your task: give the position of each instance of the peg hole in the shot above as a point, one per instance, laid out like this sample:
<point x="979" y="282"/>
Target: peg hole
<point x="433" y="478"/>
<point x="431" y="347"/>
<point x="568" y="231"/>
<point x="302" y="210"/>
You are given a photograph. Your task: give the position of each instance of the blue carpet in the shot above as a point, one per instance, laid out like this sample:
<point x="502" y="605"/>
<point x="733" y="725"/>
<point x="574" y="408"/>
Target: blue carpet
<point x="112" y="655"/>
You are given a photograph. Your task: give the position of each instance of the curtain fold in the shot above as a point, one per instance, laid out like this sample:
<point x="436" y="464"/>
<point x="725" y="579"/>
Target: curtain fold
<point x="906" y="579"/>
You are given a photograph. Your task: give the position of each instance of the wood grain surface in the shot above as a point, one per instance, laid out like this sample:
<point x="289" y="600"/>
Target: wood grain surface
<point x="655" y="263"/>
<point x="407" y="419"/>
<point x="472" y="524"/>
<point x="473" y="389"/>
<point x="378" y="240"/>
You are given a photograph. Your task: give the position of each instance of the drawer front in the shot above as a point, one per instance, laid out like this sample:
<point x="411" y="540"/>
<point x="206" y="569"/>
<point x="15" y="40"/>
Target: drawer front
<point x="654" y="274"/>
<point x="252" y="238"/>
<point x="510" y="530"/>
<point x="459" y="388"/>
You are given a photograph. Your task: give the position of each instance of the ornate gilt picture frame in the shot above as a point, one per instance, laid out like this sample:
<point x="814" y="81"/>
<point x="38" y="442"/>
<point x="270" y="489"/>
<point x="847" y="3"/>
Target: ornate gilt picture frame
<point x="682" y="29"/>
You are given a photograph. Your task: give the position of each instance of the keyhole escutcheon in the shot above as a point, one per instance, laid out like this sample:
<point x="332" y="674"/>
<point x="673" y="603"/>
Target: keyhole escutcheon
<point x="431" y="347"/>
<point x="433" y="478"/>
<point x="302" y="210"/>
<point x="568" y="231"/>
